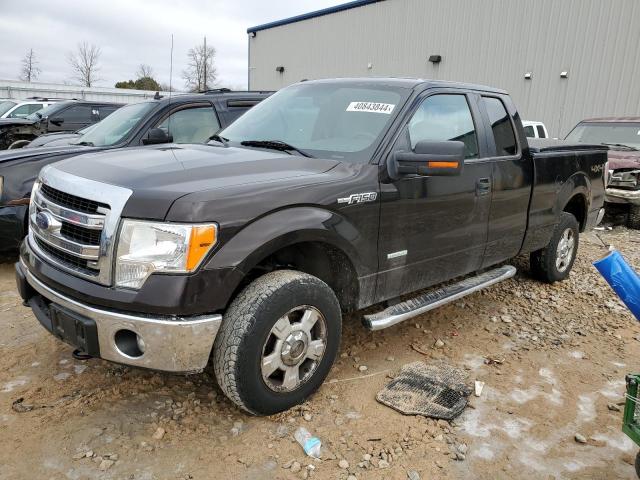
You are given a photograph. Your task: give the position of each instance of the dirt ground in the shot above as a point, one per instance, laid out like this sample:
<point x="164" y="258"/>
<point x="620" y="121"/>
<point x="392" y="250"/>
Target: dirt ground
<point x="553" y="359"/>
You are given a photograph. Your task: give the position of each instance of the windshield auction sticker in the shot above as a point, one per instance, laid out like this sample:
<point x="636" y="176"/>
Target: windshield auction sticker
<point x="371" y="107"/>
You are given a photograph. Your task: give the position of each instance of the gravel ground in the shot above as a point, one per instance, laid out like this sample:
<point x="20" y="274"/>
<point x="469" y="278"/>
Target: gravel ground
<point x="553" y="359"/>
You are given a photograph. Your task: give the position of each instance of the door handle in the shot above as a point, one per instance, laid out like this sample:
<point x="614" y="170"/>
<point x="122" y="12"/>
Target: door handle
<point x="483" y="186"/>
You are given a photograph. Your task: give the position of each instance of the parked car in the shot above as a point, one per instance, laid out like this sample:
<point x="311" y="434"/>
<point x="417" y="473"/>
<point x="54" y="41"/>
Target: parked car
<point x="23" y="108"/>
<point x="64" y="116"/>
<point x="622" y="136"/>
<point x="328" y="197"/>
<point x="534" y="129"/>
<point x="58" y="138"/>
<point x="181" y="119"/>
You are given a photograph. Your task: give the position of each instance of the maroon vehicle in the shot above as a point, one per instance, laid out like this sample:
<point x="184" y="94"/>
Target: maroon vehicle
<point x="622" y="136"/>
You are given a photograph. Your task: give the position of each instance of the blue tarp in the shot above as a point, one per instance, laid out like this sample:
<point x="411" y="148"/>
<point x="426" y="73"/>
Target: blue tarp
<point x="624" y="281"/>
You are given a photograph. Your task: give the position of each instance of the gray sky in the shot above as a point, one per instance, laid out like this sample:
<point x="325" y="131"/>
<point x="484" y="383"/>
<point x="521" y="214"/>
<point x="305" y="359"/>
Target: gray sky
<point x="134" y="32"/>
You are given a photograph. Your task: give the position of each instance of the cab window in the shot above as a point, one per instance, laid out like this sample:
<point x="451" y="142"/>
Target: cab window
<point x="501" y="126"/>
<point x="191" y="125"/>
<point x="441" y="118"/>
<point x="529" y="131"/>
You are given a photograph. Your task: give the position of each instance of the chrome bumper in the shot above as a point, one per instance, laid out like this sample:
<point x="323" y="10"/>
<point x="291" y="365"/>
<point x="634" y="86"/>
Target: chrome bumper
<point x="619" y="195"/>
<point x="180" y="344"/>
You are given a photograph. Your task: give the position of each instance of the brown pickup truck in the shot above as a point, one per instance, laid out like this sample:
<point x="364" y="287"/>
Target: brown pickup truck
<point x="622" y="136"/>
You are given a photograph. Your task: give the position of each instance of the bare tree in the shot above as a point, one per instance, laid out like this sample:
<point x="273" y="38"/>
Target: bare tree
<point x="144" y="71"/>
<point x="200" y="73"/>
<point x="84" y="63"/>
<point x="30" y="70"/>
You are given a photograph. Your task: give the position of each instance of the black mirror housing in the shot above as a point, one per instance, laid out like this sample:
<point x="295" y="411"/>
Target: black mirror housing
<point x="157" y="136"/>
<point x="431" y="159"/>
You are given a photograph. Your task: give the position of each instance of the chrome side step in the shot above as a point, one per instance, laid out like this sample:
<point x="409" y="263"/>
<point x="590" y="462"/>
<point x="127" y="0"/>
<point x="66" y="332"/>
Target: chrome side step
<point x="436" y="298"/>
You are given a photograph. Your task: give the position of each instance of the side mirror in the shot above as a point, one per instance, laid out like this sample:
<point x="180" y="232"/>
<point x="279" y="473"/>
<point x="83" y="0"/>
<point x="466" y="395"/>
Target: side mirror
<point x="157" y="136"/>
<point x="57" y="120"/>
<point x="430" y="159"/>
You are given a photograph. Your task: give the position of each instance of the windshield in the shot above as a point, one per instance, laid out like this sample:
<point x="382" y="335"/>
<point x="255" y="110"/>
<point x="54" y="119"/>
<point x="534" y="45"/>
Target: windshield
<point x="116" y="126"/>
<point x="622" y="133"/>
<point x="329" y="120"/>
<point x="45" y="112"/>
<point x="6" y="106"/>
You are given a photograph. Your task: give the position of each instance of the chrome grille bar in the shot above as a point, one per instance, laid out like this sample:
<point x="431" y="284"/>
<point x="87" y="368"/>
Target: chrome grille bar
<point x="95" y="222"/>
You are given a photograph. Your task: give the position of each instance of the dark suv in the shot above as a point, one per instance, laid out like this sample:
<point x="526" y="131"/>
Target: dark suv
<point x="67" y="116"/>
<point x="179" y="119"/>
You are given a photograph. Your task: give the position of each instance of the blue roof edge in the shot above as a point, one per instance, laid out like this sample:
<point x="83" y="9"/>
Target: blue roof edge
<point x="314" y="14"/>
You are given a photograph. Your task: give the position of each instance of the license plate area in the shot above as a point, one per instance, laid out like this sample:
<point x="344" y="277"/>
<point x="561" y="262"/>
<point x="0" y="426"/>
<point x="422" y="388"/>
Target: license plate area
<point x="74" y="329"/>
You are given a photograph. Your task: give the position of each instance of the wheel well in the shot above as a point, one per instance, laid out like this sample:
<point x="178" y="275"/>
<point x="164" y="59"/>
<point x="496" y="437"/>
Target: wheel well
<point x="322" y="260"/>
<point x="577" y="206"/>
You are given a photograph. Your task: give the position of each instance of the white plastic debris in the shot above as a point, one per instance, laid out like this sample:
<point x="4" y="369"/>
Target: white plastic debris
<point x="478" y="388"/>
<point x="308" y="442"/>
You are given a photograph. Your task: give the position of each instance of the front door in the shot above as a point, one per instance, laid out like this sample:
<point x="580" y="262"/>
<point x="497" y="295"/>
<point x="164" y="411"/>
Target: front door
<point x="435" y="228"/>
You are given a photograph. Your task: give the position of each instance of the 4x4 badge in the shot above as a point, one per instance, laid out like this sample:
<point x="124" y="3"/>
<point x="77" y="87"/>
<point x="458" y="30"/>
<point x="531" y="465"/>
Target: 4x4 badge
<point x="359" y="198"/>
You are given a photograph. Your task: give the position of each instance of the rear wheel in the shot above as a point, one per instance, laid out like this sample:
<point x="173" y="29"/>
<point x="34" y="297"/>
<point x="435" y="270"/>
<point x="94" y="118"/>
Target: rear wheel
<point x="554" y="262"/>
<point x="633" y="220"/>
<point x="277" y="342"/>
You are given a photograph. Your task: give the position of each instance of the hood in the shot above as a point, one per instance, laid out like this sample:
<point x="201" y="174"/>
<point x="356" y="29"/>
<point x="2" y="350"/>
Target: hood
<point x="28" y="153"/>
<point x="54" y="139"/>
<point x="623" y="159"/>
<point x="7" y="122"/>
<point x="161" y="174"/>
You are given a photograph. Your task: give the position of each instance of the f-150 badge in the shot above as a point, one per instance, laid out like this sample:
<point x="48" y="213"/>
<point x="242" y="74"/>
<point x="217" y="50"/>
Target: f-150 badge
<point x="359" y="198"/>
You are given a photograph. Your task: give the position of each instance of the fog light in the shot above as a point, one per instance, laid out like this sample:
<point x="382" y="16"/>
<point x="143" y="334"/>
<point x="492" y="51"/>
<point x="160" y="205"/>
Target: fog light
<point x="129" y="343"/>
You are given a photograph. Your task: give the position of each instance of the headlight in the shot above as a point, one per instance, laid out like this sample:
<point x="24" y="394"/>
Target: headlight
<point x="147" y="247"/>
<point x="625" y="178"/>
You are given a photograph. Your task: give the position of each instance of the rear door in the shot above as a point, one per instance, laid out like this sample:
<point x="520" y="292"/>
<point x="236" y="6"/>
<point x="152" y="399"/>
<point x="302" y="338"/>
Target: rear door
<point x="512" y="171"/>
<point x="435" y="228"/>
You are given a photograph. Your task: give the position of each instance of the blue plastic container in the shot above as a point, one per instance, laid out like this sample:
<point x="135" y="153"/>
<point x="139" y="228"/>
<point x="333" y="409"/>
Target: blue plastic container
<point x="624" y="281"/>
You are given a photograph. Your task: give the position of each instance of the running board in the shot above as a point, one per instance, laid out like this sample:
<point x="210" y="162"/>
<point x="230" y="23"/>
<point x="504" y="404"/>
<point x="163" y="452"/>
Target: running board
<point x="436" y="298"/>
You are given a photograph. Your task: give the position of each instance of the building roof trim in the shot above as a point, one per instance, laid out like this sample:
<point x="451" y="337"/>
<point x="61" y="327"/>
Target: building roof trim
<point x="314" y="14"/>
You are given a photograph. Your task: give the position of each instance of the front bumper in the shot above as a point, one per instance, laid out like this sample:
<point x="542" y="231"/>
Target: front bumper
<point x="620" y="195"/>
<point x="173" y="344"/>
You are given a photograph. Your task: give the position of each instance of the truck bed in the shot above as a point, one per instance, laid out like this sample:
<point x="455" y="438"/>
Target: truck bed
<point x="539" y="145"/>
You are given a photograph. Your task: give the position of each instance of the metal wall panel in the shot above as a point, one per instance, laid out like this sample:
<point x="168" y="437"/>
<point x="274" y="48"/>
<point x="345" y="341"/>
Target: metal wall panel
<point x="493" y="42"/>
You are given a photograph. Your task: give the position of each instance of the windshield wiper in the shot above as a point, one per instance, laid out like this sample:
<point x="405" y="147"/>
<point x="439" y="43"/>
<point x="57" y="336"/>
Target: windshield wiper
<point x="217" y="138"/>
<point x="628" y="147"/>
<point x="275" y="145"/>
<point x="85" y="144"/>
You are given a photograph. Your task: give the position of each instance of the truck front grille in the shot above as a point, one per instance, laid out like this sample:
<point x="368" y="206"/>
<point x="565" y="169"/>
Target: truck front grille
<point x="72" y="228"/>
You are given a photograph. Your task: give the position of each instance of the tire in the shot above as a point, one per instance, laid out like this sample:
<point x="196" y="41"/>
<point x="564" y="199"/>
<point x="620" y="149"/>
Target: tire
<point x="251" y="342"/>
<point x="637" y="464"/>
<point x="553" y="262"/>
<point x="633" y="220"/>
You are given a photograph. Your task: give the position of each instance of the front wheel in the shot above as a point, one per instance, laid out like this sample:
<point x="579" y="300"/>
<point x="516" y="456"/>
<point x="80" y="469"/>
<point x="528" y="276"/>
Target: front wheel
<point x="277" y="342"/>
<point x="554" y="262"/>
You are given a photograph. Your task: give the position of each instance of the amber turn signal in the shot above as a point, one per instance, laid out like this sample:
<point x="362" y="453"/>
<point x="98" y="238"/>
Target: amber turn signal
<point x="442" y="164"/>
<point x="202" y="239"/>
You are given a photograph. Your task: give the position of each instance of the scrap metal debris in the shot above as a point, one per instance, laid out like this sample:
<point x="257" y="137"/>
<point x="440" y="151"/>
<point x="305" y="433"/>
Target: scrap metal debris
<point x="437" y="391"/>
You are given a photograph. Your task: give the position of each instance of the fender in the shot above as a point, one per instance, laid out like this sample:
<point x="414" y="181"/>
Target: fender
<point x="286" y="227"/>
<point x="578" y="183"/>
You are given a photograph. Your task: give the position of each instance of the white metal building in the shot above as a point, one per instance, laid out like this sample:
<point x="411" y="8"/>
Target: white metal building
<point x="561" y="60"/>
<point x="20" y="90"/>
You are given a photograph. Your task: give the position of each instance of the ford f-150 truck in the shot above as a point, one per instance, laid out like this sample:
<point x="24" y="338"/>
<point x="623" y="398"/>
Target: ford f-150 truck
<point x="328" y="197"/>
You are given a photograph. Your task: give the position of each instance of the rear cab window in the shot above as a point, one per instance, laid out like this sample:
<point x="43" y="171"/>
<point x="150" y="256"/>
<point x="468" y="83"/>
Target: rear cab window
<point x="529" y="131"/>
<point x="503" y="134"/>
<point x="541" y="133"/>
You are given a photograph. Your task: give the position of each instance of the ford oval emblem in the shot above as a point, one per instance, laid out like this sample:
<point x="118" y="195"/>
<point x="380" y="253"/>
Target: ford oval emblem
<point x="44" y="221"/>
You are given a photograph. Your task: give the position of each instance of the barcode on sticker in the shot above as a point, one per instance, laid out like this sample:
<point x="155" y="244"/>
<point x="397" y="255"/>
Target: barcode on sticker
<point x="371" y="107"/>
